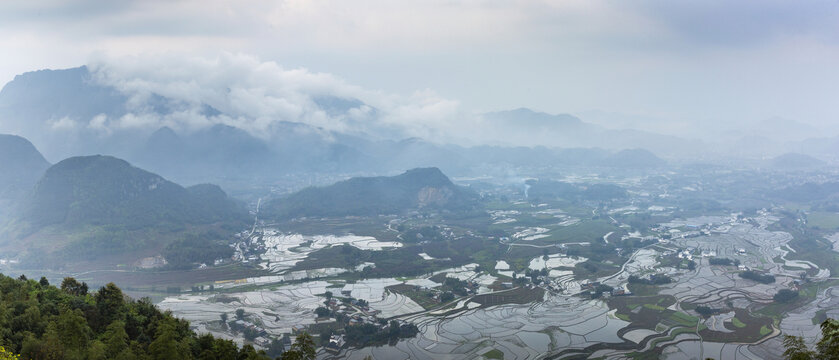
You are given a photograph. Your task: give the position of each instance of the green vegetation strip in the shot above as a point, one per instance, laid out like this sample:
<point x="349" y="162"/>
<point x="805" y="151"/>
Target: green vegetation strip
<point x="494" y="354"/>
<point x="765" y="330"/>
<point x="654" y="307"/>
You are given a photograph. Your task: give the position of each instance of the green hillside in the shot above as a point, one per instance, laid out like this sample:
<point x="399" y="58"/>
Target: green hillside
<point x="86" y="207"/>
<point x="102" y="190"/>
<point x="422" y="188"/>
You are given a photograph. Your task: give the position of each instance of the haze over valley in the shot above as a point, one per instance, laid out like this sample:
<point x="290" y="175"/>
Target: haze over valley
<point x="459" y="180"/>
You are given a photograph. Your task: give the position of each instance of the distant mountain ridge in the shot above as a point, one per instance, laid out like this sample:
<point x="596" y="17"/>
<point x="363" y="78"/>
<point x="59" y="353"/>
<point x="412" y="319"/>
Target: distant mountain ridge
<point x="795" y="161"/>
<point x="103" y="190"/>
<point x="215" y="151"/>
<point x="634" y="158"/>
<point x="63" y="112"/>
<point x="422" y="188"/>
<point x="567" y="131"/>
<point x="21" y="164"/>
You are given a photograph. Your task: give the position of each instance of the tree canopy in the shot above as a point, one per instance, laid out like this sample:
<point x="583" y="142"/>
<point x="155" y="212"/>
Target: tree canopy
<point x="826" y="349"/>
<point x="41" y="321"/>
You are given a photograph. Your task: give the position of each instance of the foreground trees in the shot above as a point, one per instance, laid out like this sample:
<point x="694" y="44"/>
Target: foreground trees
<point x="826" y="349"/>
<point x="302" y="349"/>
<point x="40" y="321"/>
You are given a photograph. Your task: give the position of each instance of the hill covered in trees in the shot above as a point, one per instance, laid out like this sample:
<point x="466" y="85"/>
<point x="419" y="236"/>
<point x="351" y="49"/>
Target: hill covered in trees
<point x="41" y="321"/>
<point x="422" y="188"/>
<point x="103" y="190"/>
<point x="88" y="206"/>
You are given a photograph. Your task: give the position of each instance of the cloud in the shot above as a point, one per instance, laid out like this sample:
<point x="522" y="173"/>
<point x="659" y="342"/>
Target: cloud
<point x="696" y="62"/>
<point x="99" y="123"/>
<point x="254" y="95"/>
<point x="62" y="124"/>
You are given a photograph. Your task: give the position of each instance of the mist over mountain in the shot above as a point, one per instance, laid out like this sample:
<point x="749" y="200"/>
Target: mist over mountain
<point x="782" y="130"/>
<point x="795" y="161"/>
<point x="149" y="120"/>
<point x="634" y="158"/>
<point x="103" y="190"/>
<point x="59" y="110"/>
<point x="206" y="153"/>
<point x="545" y="189"/>
<point x="224" y="132"/>
<point x="98" y="207"/>
<point x="422" y="188"/>
<point x="21" y="165"/>
<point x="530" y="127"/>
<point x="419" y="179"/>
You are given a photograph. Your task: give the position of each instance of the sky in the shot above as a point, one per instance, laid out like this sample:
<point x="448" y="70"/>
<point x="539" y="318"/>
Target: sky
<point x="672" y="67"/>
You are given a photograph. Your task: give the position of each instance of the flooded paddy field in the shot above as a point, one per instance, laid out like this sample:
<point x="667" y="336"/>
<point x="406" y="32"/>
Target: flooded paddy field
<point x="561" y="317"/>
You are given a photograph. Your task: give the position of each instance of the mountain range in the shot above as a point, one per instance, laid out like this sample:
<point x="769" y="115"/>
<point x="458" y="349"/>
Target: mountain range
<point x="72" y="112"/>
<point x="525" y="126"/>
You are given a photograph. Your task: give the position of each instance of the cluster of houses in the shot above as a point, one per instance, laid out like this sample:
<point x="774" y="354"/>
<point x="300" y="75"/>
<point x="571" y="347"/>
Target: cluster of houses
<point x="621" y="291"/>
<point x="246" y="249"/>
<point x="336" y="342"/>
<point x="358" y="312"/>
<point x="592" y="286"/>
<point x="686" y="254"/>
<point x="243" y="325"/>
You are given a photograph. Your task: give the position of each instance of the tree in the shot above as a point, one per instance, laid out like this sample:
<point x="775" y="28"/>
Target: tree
<point x="328" y="295"/>
<point x="828" y="346"/>
<point x="785" y="296"/>
<point x="110" y="303"/>
<point x="826" y="349"/>
<point x="7" y="355"/>
<point x="165" y="344"/>
<point x="250" y="333"/>
<point x="302" y="349"/>
<point x="44" y="281"/>
<point x="393" y="328"/>
<point x="240" y="314"/>
<point x="705" y="311"/>
<point x="225" y="349"/>
<point x="116" y="340"/>
<point x="322" y="312"/>
<point x="96" y="351"/>
<point x="49" y="347"/>
<point x="796" y="349"/>
<point x="275" y="350"/>
<point x="73" y="331"/>
<point x="42" y="322"/>
<point x="249" y="353"/>
<point x="73" y="287"/>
